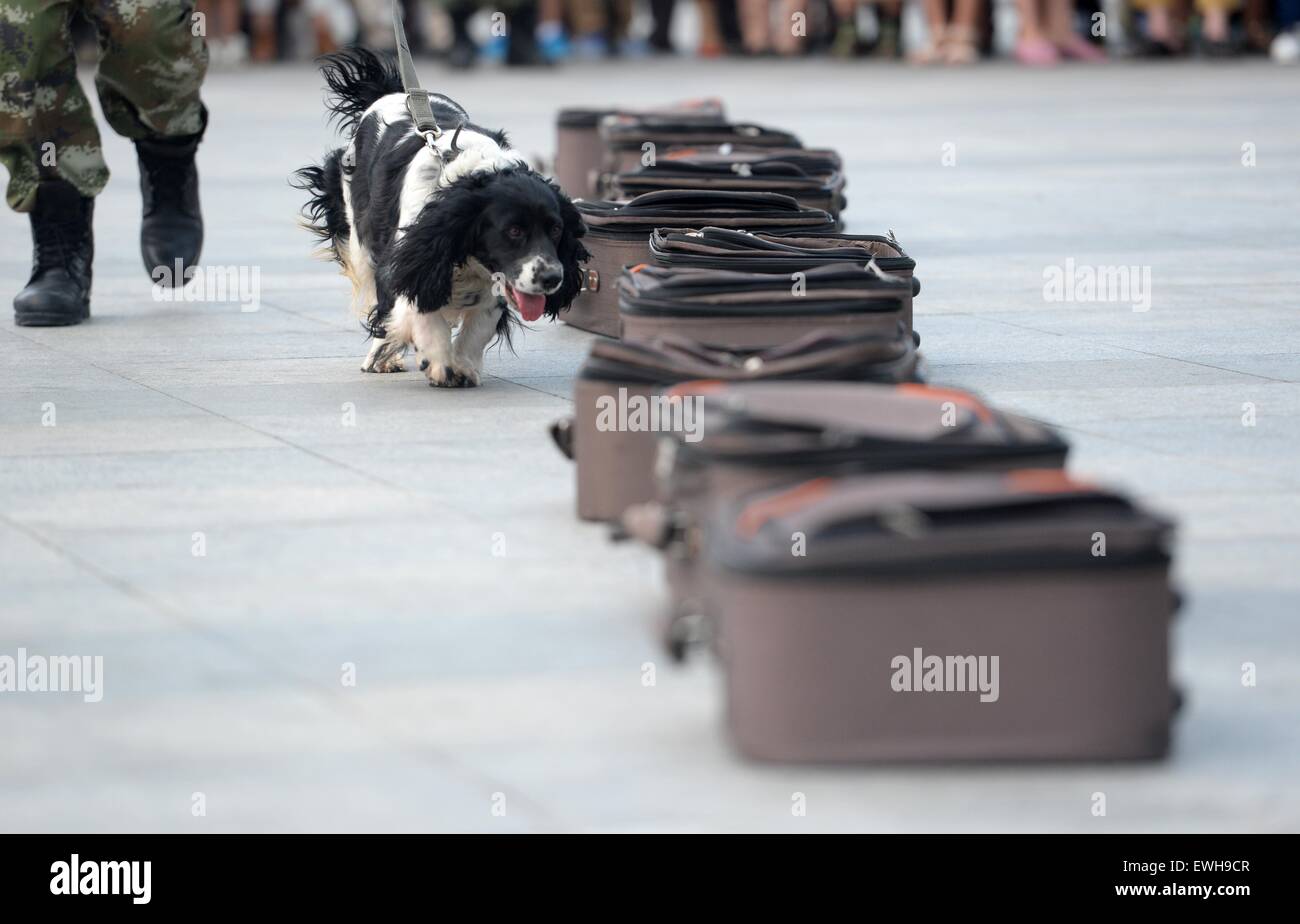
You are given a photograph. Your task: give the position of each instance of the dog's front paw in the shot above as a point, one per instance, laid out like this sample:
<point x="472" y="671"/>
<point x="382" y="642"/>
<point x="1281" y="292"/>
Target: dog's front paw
<point x="391" y="364"/>
<point x="453" y="376"/>
<point x="468" y="372"/>
<point x="384" y="357"/>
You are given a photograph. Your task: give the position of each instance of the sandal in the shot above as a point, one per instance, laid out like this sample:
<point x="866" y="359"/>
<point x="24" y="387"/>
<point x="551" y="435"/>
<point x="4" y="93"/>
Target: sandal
<point x="1037" y="52"/>
<point x="1078" y="48"/>
<point x="931" y="52"/>
<point x="959" y="46"/>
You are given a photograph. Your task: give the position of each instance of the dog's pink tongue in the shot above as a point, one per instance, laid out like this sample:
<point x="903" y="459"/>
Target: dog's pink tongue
<point x="530" y="306"/>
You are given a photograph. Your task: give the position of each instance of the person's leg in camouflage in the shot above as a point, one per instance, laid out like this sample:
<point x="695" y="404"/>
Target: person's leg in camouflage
<point x="50" y="147"/>
<point x="153" y="58"/>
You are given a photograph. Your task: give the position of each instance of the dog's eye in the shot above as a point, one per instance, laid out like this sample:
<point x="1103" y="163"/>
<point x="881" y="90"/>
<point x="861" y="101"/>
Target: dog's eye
<point x="556" y="231"/>
<point x="515" y="233"/>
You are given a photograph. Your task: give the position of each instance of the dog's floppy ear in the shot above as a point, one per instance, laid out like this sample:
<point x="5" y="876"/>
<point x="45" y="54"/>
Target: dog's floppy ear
<point x="421" y="264"/>
<point x="571" y="252"/>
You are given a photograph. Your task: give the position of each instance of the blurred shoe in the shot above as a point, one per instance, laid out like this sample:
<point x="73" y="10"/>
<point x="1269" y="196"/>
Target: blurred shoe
<point x="495" y="48"/>
<point x="552" y="41"/>
<point x="1157" y="48"/>
<point x="1078" y="48"/>
<point x="525" y="53"/>
<point x="925" y="55"/>
<point x="959" y="46"/>
<point x="929" y="53"/>
<point x="590" y="47"/>
<point x="1218" y="48"/>
<point x="1037" y="52"/>
<point x="661" y="45"/>
<point x="231" y="51"/>
<point x="1285" y="48"/>
<point x="237" y="49"/>
<point x="634" y="48"/>
<point x="846" y="44"/>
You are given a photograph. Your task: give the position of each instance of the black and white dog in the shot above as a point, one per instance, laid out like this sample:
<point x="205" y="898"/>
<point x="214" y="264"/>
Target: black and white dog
<point x="433" y="237"/>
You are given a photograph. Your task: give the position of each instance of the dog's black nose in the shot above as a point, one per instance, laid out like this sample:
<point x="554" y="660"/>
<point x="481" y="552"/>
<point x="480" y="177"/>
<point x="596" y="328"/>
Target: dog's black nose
<point x="550" y="278"/>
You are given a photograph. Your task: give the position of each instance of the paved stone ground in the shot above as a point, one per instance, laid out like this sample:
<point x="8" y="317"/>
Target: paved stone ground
<point x="521" y="674"/>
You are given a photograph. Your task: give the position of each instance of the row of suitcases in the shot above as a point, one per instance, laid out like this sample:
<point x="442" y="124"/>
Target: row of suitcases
<point x="888" y="570"/>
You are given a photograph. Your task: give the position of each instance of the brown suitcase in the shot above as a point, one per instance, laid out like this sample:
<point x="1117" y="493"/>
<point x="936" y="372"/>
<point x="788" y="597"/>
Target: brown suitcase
<point x="814" y="178"/>
<point x="580" y="152"/>
<point x="759" y="435"/>
<point x="943" y="616"/>
<point x="634" y="141"/>
<point x="618" y="234"/>
<point x="761" y="252"/>
<point x="750" y="311"/>
<point x="620" y="384"/>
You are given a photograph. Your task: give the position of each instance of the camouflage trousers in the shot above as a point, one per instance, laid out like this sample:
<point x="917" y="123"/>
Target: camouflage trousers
<point x="152" y="61"/>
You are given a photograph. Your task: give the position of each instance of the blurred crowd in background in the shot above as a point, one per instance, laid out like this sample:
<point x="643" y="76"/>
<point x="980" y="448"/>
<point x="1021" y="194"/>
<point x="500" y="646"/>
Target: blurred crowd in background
<point x="531" y="33"/>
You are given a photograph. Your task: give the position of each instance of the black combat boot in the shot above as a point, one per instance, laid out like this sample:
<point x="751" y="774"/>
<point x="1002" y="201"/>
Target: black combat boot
<point x="63" y="248"/>
<point x="172" y="227"/>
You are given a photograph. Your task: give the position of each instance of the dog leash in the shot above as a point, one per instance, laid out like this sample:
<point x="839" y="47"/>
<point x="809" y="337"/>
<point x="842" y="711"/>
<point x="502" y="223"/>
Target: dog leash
<point x="417" y="98"/>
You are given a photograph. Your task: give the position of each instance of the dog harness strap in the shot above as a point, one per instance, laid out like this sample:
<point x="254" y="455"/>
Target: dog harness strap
<point x="417" y="98"/>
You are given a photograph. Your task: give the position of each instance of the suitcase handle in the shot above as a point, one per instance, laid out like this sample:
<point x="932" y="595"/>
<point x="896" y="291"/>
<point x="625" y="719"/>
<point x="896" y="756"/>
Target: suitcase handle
<point x="956" y="396"/>
<point x="755" y="515"/>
